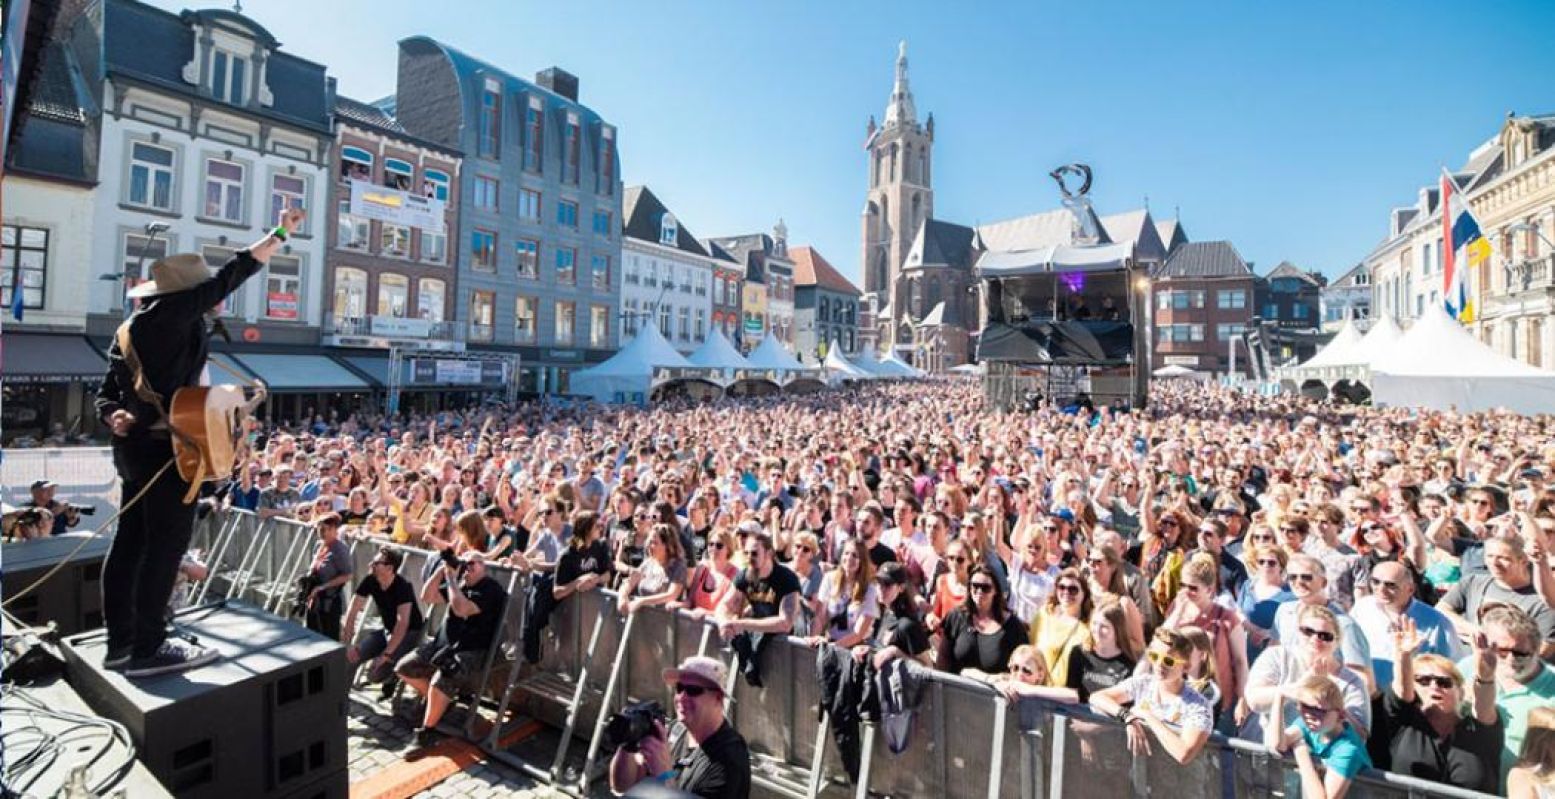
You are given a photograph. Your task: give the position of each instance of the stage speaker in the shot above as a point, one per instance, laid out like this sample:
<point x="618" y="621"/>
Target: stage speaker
<point x="72" y="597"/>
<point x="266" y="720"/>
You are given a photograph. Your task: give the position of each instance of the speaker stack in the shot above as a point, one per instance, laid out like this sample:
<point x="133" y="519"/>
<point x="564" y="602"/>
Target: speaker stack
<point x="266" y="720"/>
<point x="71" y="597"/>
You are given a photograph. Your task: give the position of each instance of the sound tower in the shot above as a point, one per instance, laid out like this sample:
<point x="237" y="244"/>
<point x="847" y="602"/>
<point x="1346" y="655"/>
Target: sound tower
<point x="266" y="720"/>
<point x="71" y="597"/>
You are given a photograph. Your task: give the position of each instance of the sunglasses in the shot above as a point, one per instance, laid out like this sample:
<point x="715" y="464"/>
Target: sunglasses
<point x="957" y="559"/>
<point x="1096" y="561"/>
<point x="1029" y="671"/>
<point x="1515" y="654"/>
<point x="1313" y="710"/>
<point x="1168" y="522"/>
<point x="1291" y="530"/>
<point x="1301" y="577"/>
<point x="981" y="587"/>
<point x="1164" y="661"/>
<point x="1263" y="537"/>
<point x="1321" y="635"/>
<point x="805" y="548"/>
<point x="1191" y="588"/>
<point x="1269" y="563"/>
<point x="1068" y="588"/>
<point x="1428" y="680"/>
<point x="692" y="691"/>
<point x="1383" y="585"/>
<point x="720" y="545"/>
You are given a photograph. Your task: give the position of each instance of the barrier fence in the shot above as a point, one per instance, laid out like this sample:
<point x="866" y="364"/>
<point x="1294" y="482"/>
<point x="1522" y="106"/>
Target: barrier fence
<point x="966" y="740"/>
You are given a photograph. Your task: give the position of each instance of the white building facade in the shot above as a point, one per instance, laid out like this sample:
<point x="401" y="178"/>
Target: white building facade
<point x="667" y="279"/>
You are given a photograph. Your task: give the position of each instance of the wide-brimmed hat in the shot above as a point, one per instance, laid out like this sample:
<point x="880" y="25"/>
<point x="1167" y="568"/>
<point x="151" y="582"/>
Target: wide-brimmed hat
<point x="707" y="672"/>
<point x="173" y="274"/>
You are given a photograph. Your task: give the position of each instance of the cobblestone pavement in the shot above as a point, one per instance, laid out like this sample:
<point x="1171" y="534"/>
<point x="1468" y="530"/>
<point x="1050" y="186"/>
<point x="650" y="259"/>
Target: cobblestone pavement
<point x="378" y="740"/>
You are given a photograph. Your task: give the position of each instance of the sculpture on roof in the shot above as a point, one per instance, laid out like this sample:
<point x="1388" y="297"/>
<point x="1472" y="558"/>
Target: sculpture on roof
<point x="1078" y="201"/>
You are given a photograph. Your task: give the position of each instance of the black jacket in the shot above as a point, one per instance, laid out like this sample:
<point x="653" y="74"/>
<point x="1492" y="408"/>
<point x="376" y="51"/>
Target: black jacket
<point x="171" y="337"/>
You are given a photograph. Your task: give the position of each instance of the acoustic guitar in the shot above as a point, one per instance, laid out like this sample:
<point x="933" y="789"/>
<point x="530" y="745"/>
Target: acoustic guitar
<point x="207" y="423"/>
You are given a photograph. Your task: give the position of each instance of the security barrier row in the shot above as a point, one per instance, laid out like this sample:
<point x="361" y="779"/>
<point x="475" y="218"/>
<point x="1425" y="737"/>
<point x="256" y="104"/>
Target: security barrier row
<point x="966" y="740"/>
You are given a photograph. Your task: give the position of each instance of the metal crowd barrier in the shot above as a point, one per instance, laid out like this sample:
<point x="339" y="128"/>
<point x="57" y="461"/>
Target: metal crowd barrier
<point x="965" y="740"/>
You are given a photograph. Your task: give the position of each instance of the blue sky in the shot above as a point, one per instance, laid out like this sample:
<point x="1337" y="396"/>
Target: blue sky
<point x="1288" y="128"/>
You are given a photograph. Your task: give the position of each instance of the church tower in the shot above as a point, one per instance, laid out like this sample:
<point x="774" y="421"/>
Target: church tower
<point x="901" y="193"/>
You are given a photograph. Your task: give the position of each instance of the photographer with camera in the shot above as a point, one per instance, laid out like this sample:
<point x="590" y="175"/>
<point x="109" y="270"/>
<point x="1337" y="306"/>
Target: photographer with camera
<point x="700" y="754"/>
<point x="450" y="664"/>
<point x="63" y="514"/>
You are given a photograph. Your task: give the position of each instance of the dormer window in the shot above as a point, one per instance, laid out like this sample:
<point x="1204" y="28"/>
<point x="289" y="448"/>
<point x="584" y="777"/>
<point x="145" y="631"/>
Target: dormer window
<point x="229" y="77"/>
<point x="669" y="231"/>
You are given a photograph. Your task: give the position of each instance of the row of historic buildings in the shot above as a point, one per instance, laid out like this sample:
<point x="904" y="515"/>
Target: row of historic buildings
<point x="472" y="214"/>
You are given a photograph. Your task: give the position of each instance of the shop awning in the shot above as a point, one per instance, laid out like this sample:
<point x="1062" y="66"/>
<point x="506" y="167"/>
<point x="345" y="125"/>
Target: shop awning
<point x="42" y="358"/>
<point x="301" y="373"/>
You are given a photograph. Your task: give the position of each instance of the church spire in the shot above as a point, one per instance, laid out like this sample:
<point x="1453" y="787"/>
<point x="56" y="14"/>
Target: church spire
<point x="900" y="111"/>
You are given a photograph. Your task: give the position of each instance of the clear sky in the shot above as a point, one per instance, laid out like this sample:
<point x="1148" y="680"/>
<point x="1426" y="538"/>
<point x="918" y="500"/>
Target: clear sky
<point x="1288" y="128"/>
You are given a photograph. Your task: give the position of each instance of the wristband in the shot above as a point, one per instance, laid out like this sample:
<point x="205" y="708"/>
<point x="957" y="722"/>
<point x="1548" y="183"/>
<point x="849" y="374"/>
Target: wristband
<point x="279" y="232"/>
<point x="665" y="775"/>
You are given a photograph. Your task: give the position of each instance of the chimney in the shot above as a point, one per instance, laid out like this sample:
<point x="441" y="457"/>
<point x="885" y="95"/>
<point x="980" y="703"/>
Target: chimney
<point x="560" y="81"/>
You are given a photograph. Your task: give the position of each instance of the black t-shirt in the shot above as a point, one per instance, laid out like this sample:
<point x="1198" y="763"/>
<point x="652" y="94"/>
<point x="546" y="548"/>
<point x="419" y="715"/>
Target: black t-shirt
<point x="1090" y="672"/>
<point x="574" y="563"/>
<point x="880" y="554"/>
<point x="718" y="769"/>
<point x="765" y="596"/>
<point x="1402" y="741"/>
<point x="969" y="649"/>
<point x="477" y="632"/>
<point x="349" y="517"/>
<point x="388" y="600"/>
<point x="905" y="632"/>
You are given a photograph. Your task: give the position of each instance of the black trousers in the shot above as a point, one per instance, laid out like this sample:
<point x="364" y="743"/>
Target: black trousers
<point x="153" y="536"/>
<point x="323" y="616"/>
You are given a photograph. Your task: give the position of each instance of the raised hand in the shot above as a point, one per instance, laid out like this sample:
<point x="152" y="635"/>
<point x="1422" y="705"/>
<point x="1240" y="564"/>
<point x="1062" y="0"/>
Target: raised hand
<point x="1406" y="638"/>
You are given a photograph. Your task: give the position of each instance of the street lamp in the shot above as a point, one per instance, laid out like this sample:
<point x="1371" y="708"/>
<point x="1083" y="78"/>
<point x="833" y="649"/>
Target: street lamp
<point x="152" y="230"/>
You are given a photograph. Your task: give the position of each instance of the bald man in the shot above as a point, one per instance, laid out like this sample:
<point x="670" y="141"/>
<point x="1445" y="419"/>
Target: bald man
<point x="1391" y="601"/>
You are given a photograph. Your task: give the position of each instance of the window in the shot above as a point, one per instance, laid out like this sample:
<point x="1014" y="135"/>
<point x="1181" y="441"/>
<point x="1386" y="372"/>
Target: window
<point x="26" y="250"/>
<point x="350" y="301"/>
<point x="151" y="176"/>
<point x="529" y="205"/>
<point x="229" y="77"/>
<point x="567" y="214"/>
<point x="664" y="320"/>
<point x="1298" y="311"/>
<point x="652" y="279"/>
<point x="215" y="257"/>
<point x="534" y="132"/>
<point x="599" y="273"/>
<point x="430" y="294"/>
<point x="434" y="247"/>
<point x="486" y="193"/>
<point x="286" y="191"/>
<point x="602" y="223"/>
<point x="351" y="231"/>
<point x="528" y="258"/>
<point x="1271" y="311"/>
<point x="283" y="288"/>
<point x="482" y="313"/>
<point x="718" y="289"/>
<point x="223" y="190"/>
<point x="572" y="148"/>
<point x="489" y="135"/>
<point x="599" y="327"/>
<point x="355" y="164"/>
<point x="631" y="271"/>
<point x="701" y="329"/>
<point x="607" y="164"/>
<point x="434" y="184"/>
<point x="1230" y="298"/>
<point x="566" y="265"/>
<point x="685" y="324"/>
<point x="393" y="295"/>
<point x="524" y="320"/>
<point x="629" y="318"/>
<point x="1163" y="300"/>
<point x="566" y="321"/>
<point x="1227" y="332"/>
<point x="398" y="174"/>
<point x="669" y="230"/>
<point x="394" y="240"/>
<point x="483" y="250"/>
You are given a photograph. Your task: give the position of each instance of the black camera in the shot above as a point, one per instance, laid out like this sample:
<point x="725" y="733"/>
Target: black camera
<point x="627" y="729"/>
<point x="305" y="585"/>
<point x="84" y="510"/>
<point x="450" y="559"/>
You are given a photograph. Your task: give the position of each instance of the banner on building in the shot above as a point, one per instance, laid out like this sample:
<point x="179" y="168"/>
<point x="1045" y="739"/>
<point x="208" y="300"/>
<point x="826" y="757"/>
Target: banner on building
<point x="282" y="305"/>
<point x="458" y="372"/>
<point x="394" y="327"/>
<point x="395" y="207"/>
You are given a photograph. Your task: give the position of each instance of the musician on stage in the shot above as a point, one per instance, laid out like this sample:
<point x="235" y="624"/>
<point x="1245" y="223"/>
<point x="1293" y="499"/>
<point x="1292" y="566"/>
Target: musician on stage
<point x="168" y="337"/>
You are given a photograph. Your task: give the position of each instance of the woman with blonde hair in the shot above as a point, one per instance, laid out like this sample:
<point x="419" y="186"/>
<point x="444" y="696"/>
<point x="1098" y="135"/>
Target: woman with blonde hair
<point x="1104" y="570"/>
<point x="1533" y="776"/>
<point x="1027" y="677"/>
<point x="1195" y="606"/>
<point x="1201" y="666"/>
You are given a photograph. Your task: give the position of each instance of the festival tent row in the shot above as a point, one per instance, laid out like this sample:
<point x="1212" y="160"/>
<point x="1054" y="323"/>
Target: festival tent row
<point x="627" y="376"/>
<point x="1438" y="364"/>
<point x="864" y="367"/>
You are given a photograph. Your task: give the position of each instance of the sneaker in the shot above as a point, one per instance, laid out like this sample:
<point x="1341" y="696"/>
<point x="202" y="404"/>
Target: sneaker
<point x="426" y="736"/>
<point x="117" y="658"/>
<point x="386" y="691"/>
<point x="173" y="656"/>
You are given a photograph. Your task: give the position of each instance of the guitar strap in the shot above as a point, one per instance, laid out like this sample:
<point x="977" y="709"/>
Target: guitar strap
<point x="150" y="396"/>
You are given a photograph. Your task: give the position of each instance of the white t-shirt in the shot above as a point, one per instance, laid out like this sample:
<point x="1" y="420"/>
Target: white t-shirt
<point x="1280" y="665"/>
<point x="1029" y="589"/>
<point x="1188" y="710"/>
<point x="833" y="604"/>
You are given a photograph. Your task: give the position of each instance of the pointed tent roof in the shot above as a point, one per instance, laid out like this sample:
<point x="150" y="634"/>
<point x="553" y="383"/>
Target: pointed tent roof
<point x="1436" y="345"/>
<point x="1339" y="351"/>
<point x="866" y="362"/>
<point x="1036" y="231"/>
<point x="896" y="364"/>
<point x="771" y="354"/>
<point x="718" y="353"/>
<point x="645" y="351"/>
<point x="1379" y="341"/>
<point x="837" y="362"/>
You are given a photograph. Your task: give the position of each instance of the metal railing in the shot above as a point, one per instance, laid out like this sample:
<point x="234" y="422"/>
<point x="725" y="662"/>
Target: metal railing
<point x="965" y="739"/>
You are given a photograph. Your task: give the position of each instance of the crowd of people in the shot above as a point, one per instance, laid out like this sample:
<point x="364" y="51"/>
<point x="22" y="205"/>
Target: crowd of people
<point x="1355" y="586"/>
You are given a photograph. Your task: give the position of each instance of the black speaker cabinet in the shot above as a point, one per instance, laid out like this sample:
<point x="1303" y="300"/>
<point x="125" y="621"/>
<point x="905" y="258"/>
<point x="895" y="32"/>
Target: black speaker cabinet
<point x="266" y="720"/>
<point x="71" y="597"/>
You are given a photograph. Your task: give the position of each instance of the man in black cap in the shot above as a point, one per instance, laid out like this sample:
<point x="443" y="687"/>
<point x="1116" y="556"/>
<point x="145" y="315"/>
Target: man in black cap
<point x="167" y="342"/>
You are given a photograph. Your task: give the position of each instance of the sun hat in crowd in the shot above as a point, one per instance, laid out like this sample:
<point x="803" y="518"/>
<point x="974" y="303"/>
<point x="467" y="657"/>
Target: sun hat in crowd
<point x="707" y="672"/>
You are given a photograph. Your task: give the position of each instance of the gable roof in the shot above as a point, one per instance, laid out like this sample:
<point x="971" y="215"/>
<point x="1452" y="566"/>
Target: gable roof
<point x="1348" y="279"/>
<point x="1171" y="233"/>
<point x="644" y="215"/>
<point x="1204" y="259"/>
<point x="940" y="243"/>
<point x="1290" y="270"/>
<point x="717" y="252"/>
<point x="812" y="269"/>
<point x="1035" y="231"/>
<point x="1138" y="228"/>
<point x="373" y="118"/>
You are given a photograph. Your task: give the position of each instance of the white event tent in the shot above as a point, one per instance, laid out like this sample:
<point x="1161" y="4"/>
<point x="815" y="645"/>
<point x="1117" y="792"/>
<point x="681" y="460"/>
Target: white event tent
<point x="1332" y="362"/>
<point x="628" y="375"/>
<point x="771" y="354"/>
<point x="1437" y="364"/>
<point x="717" y="353"/>
<point x="838" y="366"/>
<point x="901" y="368"/>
